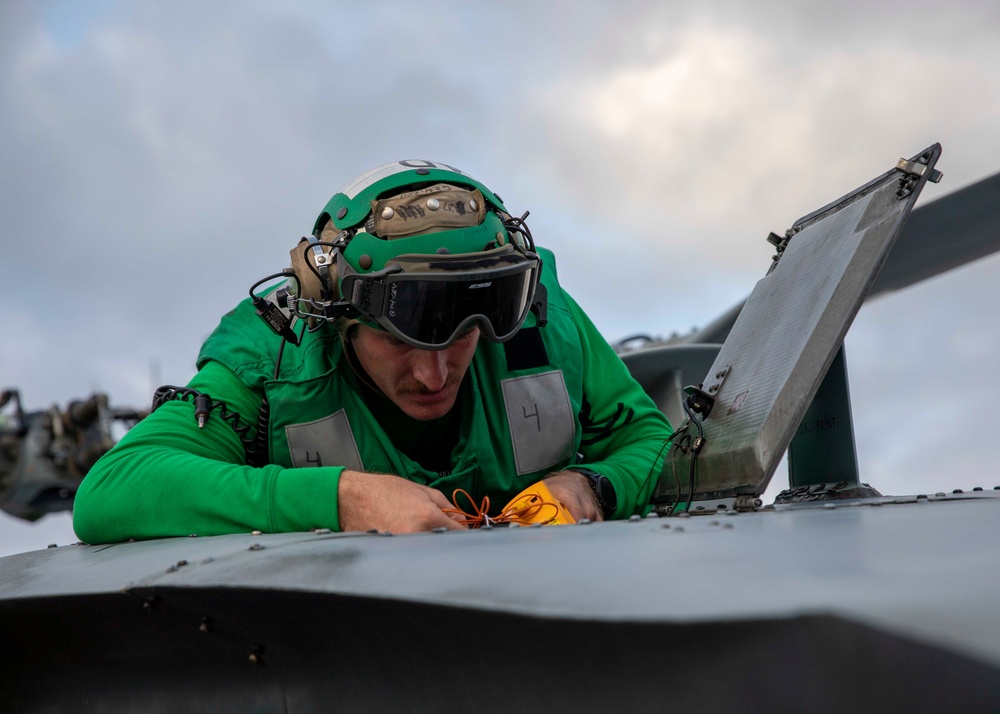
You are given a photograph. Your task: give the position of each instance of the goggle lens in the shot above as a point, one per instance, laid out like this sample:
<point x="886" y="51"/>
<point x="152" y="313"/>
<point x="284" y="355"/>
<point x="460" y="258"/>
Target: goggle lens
<point x="432" y="312"/>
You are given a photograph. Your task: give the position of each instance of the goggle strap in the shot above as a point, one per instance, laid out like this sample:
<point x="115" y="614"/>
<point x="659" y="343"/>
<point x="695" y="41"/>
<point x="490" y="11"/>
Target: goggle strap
<point x="368" y="296"/>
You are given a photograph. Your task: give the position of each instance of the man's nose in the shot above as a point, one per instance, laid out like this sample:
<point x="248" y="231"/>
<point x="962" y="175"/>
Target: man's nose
<point x="430" y="368"/>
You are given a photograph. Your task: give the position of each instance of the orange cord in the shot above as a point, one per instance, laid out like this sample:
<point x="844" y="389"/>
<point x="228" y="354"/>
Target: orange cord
<point x="514" y="512"/>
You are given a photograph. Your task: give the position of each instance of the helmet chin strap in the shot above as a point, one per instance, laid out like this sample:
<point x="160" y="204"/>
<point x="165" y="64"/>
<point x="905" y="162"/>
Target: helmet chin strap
<point x="347" y="328"/>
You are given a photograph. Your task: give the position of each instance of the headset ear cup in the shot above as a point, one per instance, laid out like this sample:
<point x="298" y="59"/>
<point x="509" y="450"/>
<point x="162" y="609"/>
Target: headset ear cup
<point x="308" y="274"/>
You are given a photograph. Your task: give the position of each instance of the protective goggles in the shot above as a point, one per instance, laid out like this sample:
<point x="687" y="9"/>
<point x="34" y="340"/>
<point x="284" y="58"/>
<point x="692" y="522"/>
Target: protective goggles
<point x="428" y="301"/>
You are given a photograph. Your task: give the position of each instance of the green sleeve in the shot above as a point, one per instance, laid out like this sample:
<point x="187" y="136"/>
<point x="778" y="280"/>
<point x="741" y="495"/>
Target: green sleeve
<point x="624" y="434"/>
<point x="167" y="477"/>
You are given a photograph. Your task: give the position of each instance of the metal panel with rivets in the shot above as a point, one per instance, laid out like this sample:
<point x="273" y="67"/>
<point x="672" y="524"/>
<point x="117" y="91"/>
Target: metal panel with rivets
<point x="789" y="331"/>
<point x="876" y="604"/>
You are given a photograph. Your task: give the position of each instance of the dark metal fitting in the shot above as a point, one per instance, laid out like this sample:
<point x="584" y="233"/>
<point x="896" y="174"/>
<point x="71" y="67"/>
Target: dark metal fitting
<point x="256" y="546"/>
<point x="699" y="401"/>
<point x="918" y="169"/>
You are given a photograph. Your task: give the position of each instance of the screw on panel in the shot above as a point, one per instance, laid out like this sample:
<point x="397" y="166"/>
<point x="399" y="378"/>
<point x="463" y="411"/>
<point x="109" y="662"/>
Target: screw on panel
<point x="727" y="525"/>
<point x="940" y="494"/>
<point x="829" y="506"/>
<point x="666" y="526"/>
<point x="193" y="535"/>
<point x="652" y="514"/>
<point x="255" y="533"/>
<point x="256" y="546"/>
<point x="583" y="521"/>
<point x="52" y="545"/>
<point x="713" y="523"/>
<point x="323" y="531"/>
<point x="685" y="514"/>
<point x="977" y="488"/>
<point x="679" y="529"/>
<point x="439" y="529"/>
<point x="958" y="490"/>
<point x="372" y="531"/>
<point x="635" y="517"/>
<point x="732" y="512"/>
<point x="385" y="533"/>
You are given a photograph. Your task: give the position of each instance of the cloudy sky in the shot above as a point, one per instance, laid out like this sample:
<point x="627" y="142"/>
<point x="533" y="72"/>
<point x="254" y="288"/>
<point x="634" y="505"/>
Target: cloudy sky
<point x="158" y="157"/>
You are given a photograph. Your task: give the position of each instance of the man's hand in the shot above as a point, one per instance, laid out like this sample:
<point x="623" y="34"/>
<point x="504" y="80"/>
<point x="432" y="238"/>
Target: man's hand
<point x="574" y="491"/>
<point x="391" y="503"/>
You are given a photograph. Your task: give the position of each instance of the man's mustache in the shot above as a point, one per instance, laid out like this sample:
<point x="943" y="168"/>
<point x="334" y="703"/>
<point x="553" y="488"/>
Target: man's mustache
<point x="412" y="386"/>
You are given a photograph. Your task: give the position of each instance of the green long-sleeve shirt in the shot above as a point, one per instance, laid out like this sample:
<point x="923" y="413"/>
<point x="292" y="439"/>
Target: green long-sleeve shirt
<point x="167" y="477"/>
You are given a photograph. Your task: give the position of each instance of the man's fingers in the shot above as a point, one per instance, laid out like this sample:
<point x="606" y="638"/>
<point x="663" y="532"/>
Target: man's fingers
<point x="438" y="498"/>
<point x="574" y="492"/>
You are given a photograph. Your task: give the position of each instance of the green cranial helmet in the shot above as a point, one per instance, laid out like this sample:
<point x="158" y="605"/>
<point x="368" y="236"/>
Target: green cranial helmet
<point x="423" y="250"/>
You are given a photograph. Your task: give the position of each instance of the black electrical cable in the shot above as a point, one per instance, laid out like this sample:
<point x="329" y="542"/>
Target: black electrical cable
<point x="695" y="450"/>
<point x="518" y="224"/>
<point x="261" y="448"/>
<point x="205" y="405"/>
<point x="652" y="467"/>
<point x="339" y="245"/>
<point x="286" y="273"/>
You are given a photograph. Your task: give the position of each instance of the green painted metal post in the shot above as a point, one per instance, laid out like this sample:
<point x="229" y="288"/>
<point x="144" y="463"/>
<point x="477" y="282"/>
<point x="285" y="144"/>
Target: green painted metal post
<point x="823" y="449"/>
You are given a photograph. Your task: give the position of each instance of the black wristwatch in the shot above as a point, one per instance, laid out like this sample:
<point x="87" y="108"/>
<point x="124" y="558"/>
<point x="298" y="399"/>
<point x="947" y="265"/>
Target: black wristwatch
<point x="607" y="499"/>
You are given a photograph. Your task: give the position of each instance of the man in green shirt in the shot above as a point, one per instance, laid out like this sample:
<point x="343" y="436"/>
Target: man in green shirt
<point x="432" y="349"/>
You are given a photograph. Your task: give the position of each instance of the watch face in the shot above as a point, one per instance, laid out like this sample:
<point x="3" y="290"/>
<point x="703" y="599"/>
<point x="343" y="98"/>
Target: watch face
<point x="607" y="495"/>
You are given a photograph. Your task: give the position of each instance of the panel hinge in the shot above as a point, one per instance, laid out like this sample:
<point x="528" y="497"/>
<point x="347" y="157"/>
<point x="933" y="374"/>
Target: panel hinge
<point x="914" y="170"/>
